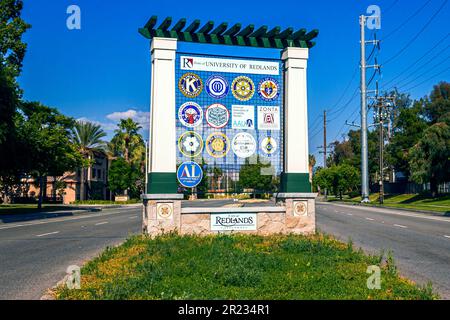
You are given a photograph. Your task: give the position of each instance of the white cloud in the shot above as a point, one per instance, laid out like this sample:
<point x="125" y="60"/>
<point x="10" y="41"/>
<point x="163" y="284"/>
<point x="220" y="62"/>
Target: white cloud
<point x="112" y="119"/>
<point x="143" y="118"/>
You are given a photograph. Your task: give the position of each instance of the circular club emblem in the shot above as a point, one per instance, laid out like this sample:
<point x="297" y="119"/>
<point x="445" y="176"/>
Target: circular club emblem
<point x="217" y="87"/>
<point x="243" y="88"/>
<point x="190" y="85"/>
<point x="268" y="89"/>
<point x="190" y="114"/>
<point x="269" y="145"/>
<point x="217" y="115"/>
<point x="217" y="145"/>
<point x="190" y="144"/>
<point x="244" y="145"/>
<point x="190" y="174"/>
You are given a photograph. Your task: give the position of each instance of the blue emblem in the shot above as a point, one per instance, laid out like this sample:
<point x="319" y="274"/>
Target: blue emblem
<point x="268" y="89"/>
<point x="190" y="174"/>
<point x="190" y="114"/>
<point x="217" y="87"/>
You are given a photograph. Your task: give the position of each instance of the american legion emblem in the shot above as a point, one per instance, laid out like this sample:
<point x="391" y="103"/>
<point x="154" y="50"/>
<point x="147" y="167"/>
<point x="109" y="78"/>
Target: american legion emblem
<point x="190" y="84"/>
<point x="243" y="88"/>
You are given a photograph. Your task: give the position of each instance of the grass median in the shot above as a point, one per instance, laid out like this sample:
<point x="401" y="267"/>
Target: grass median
<point x="439" y="204"/>
<point x="238" y="267"/>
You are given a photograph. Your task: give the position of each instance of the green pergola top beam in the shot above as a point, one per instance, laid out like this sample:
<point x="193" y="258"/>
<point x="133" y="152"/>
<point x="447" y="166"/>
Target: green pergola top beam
<point x="235" y="35"/>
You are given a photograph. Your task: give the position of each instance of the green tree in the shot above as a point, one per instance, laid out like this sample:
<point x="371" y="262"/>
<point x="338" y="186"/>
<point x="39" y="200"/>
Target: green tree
<point x="46" y="136"/>
<point x="437" y="105"/>
<point x="254" y="176"/>
<point x="129" y="144"/>
<point x="430" y="157"/>
<point x="408" y="129"/>
<point x="88" y="138"/>
<point x="12" y="28"/>
<point x="128" y="140"/>
<point x="339" y="179"/>
<point x="122" y="176"/>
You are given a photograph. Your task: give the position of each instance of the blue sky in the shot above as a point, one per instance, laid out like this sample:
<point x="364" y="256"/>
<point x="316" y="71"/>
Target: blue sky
<point x="102" y="72"/>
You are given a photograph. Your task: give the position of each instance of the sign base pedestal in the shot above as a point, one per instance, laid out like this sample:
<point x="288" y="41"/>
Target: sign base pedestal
<point x="161" y="213"/>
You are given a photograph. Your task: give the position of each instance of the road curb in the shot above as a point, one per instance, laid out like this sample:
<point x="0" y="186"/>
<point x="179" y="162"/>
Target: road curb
<point x="433" y="213"/>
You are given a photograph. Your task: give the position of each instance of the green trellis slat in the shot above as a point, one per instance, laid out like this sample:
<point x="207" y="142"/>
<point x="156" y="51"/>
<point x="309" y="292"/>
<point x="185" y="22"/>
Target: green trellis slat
<point x="235" y="35"/>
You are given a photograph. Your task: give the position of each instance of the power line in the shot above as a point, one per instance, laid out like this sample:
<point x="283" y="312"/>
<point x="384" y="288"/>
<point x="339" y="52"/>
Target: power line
<point x="428" y="79"/>
<point x="391" y="6"/>
<point x="406" y="21"/>
<point x="423" y="73"/>
<point x="416" y="61"/>
<point x="417" y="34"/>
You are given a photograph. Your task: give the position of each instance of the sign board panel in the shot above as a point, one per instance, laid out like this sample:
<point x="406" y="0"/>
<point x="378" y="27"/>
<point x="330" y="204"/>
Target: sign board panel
<point x="195" y="63"/>
<point x="229" y="114"/>
<point x="233" y="222"/>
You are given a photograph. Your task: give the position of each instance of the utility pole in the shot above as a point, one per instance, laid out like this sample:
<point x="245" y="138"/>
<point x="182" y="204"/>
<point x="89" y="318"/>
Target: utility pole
<point x="364" y="149"/>
<point x="324" y="138"/>
<point x="324" y="144"/>
<point x="383" y="105"/>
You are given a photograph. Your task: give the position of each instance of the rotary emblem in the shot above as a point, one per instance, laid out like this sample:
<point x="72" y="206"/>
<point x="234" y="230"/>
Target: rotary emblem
<point x="243" y="88"/>
<point x="268" y="89"/>
<point x="190" y="84"/>
<point x="190" y="144"/>
<point x="217" y="145"/>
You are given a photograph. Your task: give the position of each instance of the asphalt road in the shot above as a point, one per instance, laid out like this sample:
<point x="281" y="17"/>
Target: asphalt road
<point x="420" y="243"/>
<point x="35" y="252"/>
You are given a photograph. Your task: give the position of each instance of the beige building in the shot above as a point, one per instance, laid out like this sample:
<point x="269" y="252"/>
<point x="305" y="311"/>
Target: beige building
<point x="68" y="188"/>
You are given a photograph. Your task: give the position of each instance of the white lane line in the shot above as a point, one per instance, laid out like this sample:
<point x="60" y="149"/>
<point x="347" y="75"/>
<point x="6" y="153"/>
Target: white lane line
<point x="133" y="217"/>
<point x="448" y="237"/>
<point x="370" y="219"/>
<point x="47" y="234"/>
<point x="400" y="226"/>
<point x="349" y="214"/>
<point x="55" y="220"/>
<point x="100" y="223"/>
<point x="393" y="212"/>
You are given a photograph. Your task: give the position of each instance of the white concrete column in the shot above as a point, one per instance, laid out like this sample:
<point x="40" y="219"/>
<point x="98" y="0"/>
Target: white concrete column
<point x="296" y="121"/>
<point x="162" y="151"/>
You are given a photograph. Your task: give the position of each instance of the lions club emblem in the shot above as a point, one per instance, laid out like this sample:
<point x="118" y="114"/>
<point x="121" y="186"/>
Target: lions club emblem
<point x="217" y="145"/>
<point x="190" y="114"/>
<point x="243" y="88"/>
<point x="190" y="85"/>
<point x="268" y="89"/>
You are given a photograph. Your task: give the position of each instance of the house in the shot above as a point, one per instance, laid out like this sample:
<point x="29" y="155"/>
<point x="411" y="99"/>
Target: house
<point x="69" y="188"/>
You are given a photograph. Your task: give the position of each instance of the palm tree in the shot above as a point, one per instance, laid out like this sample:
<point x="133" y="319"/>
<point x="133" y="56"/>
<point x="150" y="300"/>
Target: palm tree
<point x="312" y="163"/>
<point x="87" y="137"/>
<point x="128" y="135"/>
